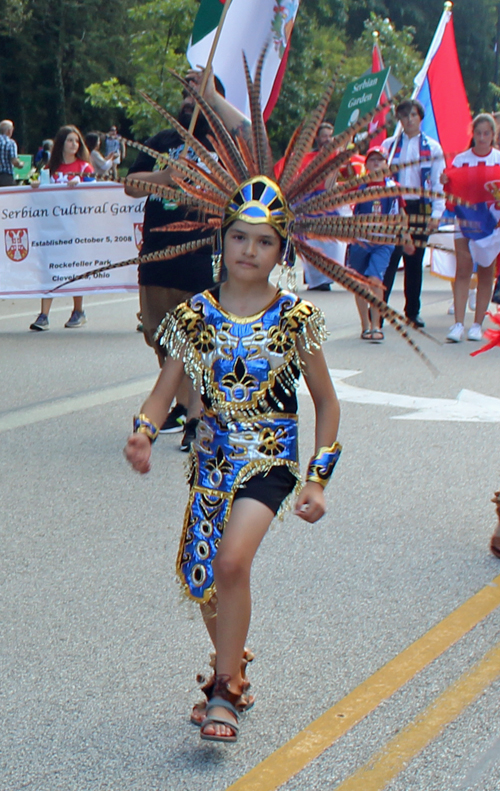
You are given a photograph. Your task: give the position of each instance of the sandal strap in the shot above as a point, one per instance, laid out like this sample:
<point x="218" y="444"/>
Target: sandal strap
<point x="219" y="721"/>
<point x="218" y="702"/>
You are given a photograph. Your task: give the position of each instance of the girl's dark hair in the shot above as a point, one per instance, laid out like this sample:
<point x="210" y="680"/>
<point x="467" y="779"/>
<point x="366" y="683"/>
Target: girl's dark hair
<point x="56" y="155"/>
<point x="92" y="140"/>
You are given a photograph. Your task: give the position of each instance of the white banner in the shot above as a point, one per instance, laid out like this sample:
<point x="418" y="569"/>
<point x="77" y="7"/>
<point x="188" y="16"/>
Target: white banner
<point x="53" y="233"/>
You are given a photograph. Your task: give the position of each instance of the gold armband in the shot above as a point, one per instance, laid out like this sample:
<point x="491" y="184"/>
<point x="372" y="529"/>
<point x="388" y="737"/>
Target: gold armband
<point x="143" y="425"/>
<point x="322" y="465"/>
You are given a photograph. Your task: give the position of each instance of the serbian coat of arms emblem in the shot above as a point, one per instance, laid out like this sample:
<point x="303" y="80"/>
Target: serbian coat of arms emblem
<point x="17" y="243"/>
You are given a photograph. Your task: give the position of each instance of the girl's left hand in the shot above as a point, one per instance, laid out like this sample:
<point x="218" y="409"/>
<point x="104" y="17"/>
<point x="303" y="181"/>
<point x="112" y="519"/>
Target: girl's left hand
<point x="310" y="504"/>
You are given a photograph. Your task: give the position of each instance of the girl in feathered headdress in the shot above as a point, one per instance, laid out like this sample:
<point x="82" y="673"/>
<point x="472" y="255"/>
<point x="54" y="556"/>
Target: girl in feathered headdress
<point x="244" y="344"/>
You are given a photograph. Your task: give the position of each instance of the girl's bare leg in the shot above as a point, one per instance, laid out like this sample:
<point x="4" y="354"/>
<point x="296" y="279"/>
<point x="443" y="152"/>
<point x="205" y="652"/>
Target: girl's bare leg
<point x="485" y="276"/>
<point x="247" y="526"/>
<point x="46" y="304"/>
<point x="378" y="290"/>
<point x="462" y="278"/>
<point x="364" y="313"/>
<point x="209" y="615"/>
<point x="78" y="304"/>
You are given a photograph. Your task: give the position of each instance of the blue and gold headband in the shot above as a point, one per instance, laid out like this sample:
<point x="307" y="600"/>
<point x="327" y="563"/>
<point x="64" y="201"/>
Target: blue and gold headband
<point x="259" y="200"/>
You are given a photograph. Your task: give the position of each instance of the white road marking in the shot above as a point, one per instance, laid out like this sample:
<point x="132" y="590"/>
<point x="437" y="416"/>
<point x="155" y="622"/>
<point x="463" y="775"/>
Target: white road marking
<point x="64" y="308"/>
<point x="65" y="406"/>
<point x="468" y="406"/>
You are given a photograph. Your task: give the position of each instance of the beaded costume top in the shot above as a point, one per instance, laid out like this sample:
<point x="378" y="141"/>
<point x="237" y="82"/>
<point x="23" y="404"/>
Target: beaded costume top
<point x="247" y="370"/>
<point x="242" y="366"/>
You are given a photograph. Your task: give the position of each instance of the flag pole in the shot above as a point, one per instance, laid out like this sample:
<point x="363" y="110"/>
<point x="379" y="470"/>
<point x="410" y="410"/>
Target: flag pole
<point x="420" y="77"/>
<point x="438" y="35"/>
<point x="206" y="73"/>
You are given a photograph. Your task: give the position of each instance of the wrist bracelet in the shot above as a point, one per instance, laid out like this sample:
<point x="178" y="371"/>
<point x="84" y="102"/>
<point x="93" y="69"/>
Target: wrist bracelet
<point x="143" y="425"/>
<point x="322" y="464"/>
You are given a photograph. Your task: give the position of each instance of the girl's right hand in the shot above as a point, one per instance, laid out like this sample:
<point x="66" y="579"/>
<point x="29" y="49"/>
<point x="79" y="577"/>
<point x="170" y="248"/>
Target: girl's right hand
<point x="137" y="451"/>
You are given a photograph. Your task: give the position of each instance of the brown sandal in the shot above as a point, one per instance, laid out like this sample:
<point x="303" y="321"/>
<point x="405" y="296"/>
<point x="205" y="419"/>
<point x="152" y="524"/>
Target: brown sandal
<point x="495" y="538"/>
<point x="222" y="698"/>
<point x="243" y="703"/>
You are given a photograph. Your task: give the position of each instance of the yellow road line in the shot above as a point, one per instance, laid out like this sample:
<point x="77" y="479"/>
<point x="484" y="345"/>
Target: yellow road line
<point x="397" y="754"/>
<point x="293" y="756"/>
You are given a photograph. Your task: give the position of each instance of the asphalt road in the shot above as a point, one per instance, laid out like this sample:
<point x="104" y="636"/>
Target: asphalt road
<point x="98" y="653"/>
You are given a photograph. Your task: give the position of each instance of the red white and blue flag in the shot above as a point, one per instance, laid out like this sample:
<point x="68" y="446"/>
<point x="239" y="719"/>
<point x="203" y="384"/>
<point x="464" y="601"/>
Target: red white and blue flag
<point x="439" y="86"/>
<point x="248" y="26"/>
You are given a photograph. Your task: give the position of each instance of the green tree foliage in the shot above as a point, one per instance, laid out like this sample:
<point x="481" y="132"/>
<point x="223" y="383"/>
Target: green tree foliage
<point x="161" y="32"/>
<point x="319" y="45"/>
<point x="84" y="61"/>
<point x="475" y="33"/>
<point x="50" y="50"/>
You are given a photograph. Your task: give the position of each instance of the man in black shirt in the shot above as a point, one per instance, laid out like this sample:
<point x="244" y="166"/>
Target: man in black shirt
<point x="165" y="284"/>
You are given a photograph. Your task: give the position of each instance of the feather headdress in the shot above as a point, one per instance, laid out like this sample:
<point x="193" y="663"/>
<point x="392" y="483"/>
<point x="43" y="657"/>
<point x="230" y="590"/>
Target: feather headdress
<point x="242" y="185"/>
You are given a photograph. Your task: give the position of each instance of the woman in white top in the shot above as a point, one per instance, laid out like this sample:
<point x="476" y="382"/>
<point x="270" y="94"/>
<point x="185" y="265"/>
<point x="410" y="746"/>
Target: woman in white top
<point x="102" y="165"/>
<point x="481" y="152"/>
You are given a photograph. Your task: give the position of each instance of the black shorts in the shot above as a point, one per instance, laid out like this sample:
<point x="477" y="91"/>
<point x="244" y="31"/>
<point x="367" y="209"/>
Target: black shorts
<point x="269" y="488"/>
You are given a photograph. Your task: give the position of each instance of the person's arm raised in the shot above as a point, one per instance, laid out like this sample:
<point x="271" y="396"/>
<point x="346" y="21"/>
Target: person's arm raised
<point x="235" y="121"/>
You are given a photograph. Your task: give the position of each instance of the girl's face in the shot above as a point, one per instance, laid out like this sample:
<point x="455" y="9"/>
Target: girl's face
<point x="483" y="136"/>
<point x="71" y="146"/>
<point x="251" y="251"/>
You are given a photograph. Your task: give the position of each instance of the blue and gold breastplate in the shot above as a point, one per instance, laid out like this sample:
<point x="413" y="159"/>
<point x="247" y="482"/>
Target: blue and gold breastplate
<point x="243" y="366"/>
<point x="247" y="370"/>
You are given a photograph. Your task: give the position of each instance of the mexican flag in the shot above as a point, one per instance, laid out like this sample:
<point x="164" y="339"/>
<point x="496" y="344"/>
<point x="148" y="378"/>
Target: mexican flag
<point x="249" y="24"/>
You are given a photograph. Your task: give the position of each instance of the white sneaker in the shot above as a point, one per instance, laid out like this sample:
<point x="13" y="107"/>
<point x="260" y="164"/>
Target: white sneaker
<point x="451" y="308"/>
<point x="472" y="300"/>
<point x="456" y="333"/>
<point x="475" y="333"/>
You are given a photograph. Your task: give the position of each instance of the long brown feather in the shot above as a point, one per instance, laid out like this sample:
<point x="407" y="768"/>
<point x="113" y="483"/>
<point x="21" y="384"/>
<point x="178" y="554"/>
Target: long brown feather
<point x="313" y="174"/>
<point x="183" y="225"/>
<point x="186" y="167"/>
<point x="164" y="158"/>
<point x="293" y="141"/>
<point x="247" y="155"/>
<point x="192" y="189"/>
<point x="261" y="147"/>
<point x="386" y="170"/>
<point x="171" y="193"/>
<point x="327" y="201"/>
<point x="304" y="141"/>
<point x="161" y="255"/>
<point x="344" y="278"/>
<point x="229" y="152"/>
<point x="223" y="178"/>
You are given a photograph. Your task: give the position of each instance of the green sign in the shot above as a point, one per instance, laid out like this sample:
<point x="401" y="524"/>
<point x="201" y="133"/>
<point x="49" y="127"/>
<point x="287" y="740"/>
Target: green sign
<point x="359" y="98"/>
<point x="23" y="173"/>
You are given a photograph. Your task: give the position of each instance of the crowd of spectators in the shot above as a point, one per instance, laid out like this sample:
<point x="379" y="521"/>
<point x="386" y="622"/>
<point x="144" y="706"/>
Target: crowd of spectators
<point x="102" y="166"/>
